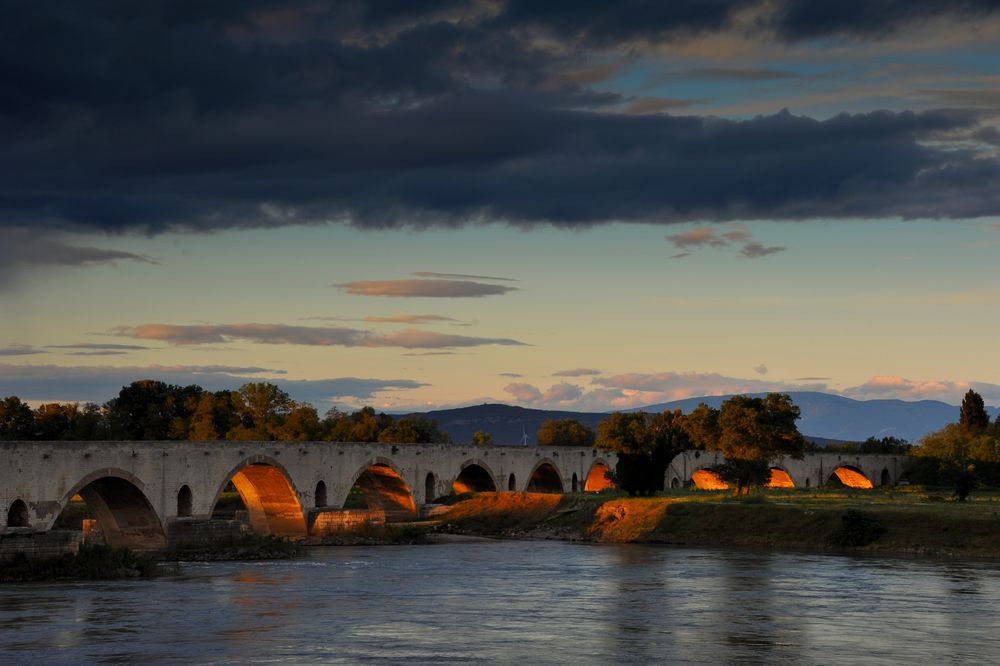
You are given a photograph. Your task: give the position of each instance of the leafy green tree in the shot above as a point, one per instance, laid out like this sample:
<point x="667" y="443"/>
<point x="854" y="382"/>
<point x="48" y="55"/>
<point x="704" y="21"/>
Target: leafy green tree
<point x="301" y="424"/>
<point x="262" y="408"/>
<point x="752" y="432"/>
<point x="972" y="415"/>
<point x="645" y="444"/>
<point x="149" y="409"/>
<point x="16" y="419"/>
<point x="956" y="452"/>
<point x="565" y="432"/>
<point x="413" y="429"/>
<point x="482" y="438"/>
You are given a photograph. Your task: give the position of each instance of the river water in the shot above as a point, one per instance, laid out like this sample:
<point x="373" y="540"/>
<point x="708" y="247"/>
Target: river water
<point x="526" y="602"/>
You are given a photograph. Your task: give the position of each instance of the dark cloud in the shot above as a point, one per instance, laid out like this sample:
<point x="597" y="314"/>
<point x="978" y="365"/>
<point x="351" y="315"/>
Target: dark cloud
<point x="733" y="74"/>
<point x="424" y="288"/>
<point x="100" y="383"/>
<point x="797" y="20"/>
<point x="160" y="115"/>
<point x="22" y="248"/>
<point x="283" y="334"/>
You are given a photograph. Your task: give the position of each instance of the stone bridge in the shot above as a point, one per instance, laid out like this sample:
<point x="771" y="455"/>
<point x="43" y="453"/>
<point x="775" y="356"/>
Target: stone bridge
<point x="691" y="468"/>
<point x="137" y="491"/>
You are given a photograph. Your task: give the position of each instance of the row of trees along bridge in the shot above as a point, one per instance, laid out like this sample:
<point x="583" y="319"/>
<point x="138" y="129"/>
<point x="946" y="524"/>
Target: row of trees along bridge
<point x="750" y="432"/>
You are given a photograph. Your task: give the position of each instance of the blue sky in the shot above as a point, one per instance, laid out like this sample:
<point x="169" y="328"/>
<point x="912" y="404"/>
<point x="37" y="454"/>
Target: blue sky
<point x="610" y="211"/>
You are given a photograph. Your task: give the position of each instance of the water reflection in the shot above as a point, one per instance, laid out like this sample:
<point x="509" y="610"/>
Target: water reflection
<point x="527" y="602"/>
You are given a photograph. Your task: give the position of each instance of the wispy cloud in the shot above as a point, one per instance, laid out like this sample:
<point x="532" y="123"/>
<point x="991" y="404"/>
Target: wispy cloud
<point x="578" y="372"/>
<point x="100" y="383"/>
<point x="21" y="350"/>
<point x="98" y="346"/>
<point x="760" y="369"/>
<point x="21" y="249"/>
<point x="277" y="334"/>
<point x="409" y="319"/>
<point x="424" y="288"/>
<point x="700" y="237"/>
<point x="461" y="276"/>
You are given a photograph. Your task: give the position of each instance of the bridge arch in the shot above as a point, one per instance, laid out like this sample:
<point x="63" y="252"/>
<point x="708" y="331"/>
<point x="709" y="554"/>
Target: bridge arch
<point x="17" y="514"/>
<point x="597" y="478"/>
<point x="269" y="494"/>
<point x="779" y="477"/>
<point x="545" y="478"/>
<point x="849" y="476"/>
<point x="383" y="487"/>
<point x="475" y="476"/>
<point x="706" y="479"/>
<point x="184" y="501"/>
<point x="512" y="482"/>
<point x="319" y="497"/>
<point x="125" y="516"/>
<point x="430" y="488"/>
<point x="885" y="478"/>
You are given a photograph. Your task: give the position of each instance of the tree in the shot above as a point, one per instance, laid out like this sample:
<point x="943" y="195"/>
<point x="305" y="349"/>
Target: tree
<point x="16" y="419"/>
<point x="262" y="408"/>
<point x="954" y="452"/>
<point x="565" y="432"/>
<point x="751" y="433"/>
<point x="482" y="438"/>
<point x="414" y="429"/>
<point x="54" y="421"/>
<point x="645" y="444"/>
<point x="363" y="425"/>
<point x="972" y="415"/>
<point x="149" y="409"/>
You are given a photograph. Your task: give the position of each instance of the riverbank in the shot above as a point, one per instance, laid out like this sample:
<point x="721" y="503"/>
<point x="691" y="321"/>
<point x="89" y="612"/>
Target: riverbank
<point x="88" y="563"/>
<point x="882" y="523"/>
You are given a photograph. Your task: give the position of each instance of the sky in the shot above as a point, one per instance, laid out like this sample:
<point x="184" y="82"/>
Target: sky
<point x="566" y="205"/>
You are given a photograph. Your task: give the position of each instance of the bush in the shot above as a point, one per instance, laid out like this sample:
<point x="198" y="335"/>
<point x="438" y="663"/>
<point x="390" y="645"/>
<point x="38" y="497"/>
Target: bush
<point x="856" y="530"/>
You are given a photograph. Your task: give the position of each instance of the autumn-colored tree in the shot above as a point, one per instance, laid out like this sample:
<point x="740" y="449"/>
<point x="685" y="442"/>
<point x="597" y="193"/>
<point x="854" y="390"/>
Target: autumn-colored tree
<point x="363" y="425"/>
<point x="482" y="438"/>
<point x="565" y="432"/>
<point x="413" y="429"/>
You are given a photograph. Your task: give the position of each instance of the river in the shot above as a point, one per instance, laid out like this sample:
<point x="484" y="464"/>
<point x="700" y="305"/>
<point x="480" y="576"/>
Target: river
<point x="526" y="602"/>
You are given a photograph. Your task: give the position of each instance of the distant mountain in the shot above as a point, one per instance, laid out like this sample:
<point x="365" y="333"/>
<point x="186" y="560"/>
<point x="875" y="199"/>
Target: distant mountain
<point x="824" y="416"/>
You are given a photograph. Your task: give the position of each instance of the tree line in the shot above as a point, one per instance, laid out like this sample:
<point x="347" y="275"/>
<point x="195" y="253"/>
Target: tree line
<point x="154" y="410"/>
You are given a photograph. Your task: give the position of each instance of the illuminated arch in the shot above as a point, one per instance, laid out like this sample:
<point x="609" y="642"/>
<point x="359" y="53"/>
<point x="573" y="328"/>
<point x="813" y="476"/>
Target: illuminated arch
<point x="125" y="516"/>
<point x="850" y="476"/>
<point x="597" y="478"/>
<point x="383" y="487"/>
<point x="270" y="496"/>
<point x="704" y="479"/>
<point x="779" y="478"/>
<point x="545" y="478"/>
<point x="475" y="477"/>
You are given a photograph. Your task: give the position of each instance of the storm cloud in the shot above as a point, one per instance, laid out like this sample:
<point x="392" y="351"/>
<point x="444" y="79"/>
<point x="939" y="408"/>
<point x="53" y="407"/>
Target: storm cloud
<point x="203" y="116"/>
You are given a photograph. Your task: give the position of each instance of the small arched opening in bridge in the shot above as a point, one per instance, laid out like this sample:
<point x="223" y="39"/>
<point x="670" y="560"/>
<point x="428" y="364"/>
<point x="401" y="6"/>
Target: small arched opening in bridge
<point x="512" y="482"/>
<point x="575" y="482"/>
<point x="184" y="502"/>
<point x="430" y="488"/>
<point x="320" y="495"/>
<point x="379" y="486"/>
<point x="123" y="515"/>
<point x="474" y="478"/>
<point x="705" y="479"/>
<point x="779" y="478"/>
<point x="675" y="482"/>
<point x="545" y="479"/>
<point x="17" y="515"/>
<point x="886" y="478"/>
<point x="850" y="477"/>
<point x="270" y="501"/>
<point x="598" y="478"/>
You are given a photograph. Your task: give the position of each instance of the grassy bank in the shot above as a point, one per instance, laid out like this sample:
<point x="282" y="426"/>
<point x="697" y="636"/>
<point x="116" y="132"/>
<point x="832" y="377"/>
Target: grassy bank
<point x="247" y="547"/>
<point x="89" y="563"/>
<point x="873" y="522"/>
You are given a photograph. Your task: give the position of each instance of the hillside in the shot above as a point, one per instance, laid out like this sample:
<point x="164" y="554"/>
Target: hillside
<point x="824" y="416"/>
